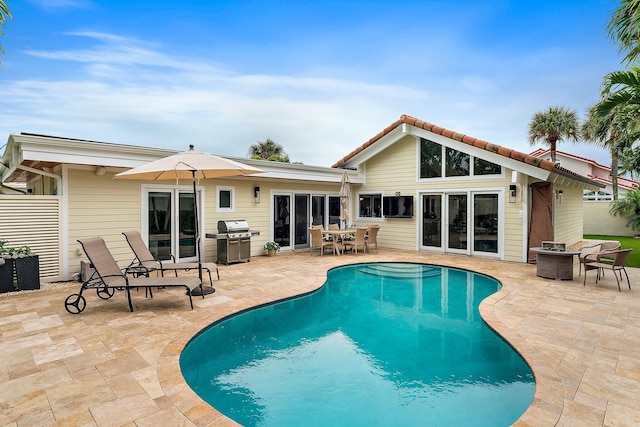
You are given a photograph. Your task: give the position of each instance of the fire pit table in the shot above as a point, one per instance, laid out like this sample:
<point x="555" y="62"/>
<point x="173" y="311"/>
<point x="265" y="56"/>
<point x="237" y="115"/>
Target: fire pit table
<point x="555" y="264"/>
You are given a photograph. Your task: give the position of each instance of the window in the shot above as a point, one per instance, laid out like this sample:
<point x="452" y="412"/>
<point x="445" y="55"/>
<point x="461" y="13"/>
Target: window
<point x="430" y="159"/>
<point x="370" y="206"/>
<point x="226" y="199"/>
<point x="456" y="163"/>
<point x="484" y="167"/>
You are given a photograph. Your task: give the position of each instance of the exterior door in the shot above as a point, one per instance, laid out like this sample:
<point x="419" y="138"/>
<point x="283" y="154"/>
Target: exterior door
<point x="282" y="220"/>
<point x="457" y="236"/>
<point x="170" y="224"/>
<point x="432" y="215"/>
<point x="302" y="220"/>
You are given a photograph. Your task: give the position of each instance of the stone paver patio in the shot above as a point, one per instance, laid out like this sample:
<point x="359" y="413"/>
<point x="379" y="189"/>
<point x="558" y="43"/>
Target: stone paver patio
<point x="110" y="367"/>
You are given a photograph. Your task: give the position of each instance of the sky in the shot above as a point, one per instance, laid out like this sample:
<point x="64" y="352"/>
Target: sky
<point x="318" y="77"/>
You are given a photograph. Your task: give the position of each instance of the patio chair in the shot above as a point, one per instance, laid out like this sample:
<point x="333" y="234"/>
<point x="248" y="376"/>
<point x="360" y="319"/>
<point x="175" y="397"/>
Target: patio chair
<point x="144" y="259"/>
<point x="619" y="258"/>
<point x="107" y="277"/>
<point x="590" y="253"/>
<point x="317" y="242"/>
<point x="357" y="242"/>
<point x="371" y="237"/>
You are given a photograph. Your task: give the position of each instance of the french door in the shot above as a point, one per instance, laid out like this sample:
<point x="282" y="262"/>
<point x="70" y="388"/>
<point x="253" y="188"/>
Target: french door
<point x="464" y="222"/>
<point x="169" y="221"/>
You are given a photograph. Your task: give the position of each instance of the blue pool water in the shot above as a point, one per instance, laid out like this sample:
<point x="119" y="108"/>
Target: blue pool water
<point x="383" y="344"/>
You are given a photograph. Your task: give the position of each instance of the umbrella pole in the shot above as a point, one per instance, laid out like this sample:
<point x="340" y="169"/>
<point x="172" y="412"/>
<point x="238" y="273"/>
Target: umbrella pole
<point x="202" y="290"/>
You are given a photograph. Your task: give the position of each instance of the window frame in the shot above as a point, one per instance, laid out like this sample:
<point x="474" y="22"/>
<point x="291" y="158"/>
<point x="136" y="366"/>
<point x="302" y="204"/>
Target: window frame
<point x="372" y="194"/>
<point x="232" y="198"/>
<point x="445" y="174"/>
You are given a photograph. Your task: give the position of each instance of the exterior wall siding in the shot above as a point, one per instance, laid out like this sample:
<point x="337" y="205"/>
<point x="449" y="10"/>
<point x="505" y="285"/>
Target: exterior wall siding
<point x="568" y="212"/>
<point x="104" y="206"/>
<point x="395" y="170"/>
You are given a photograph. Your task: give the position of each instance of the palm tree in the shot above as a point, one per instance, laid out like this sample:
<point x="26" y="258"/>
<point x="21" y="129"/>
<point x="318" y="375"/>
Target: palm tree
<point x="624" y="28"/>
<point x="628" y="206"/>
<point x="268" y="150"/>
<point x="621" y="88"/>
<point x="610" y="131"/>
<point x="4" y="14"/>
<point x="552" y="126"/>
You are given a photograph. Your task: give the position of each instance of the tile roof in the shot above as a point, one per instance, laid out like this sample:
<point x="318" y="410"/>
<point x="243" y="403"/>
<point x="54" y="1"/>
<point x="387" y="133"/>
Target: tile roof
<point x="469" y="140"/>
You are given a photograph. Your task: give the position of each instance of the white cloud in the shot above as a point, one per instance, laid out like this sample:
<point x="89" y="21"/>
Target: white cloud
<point x="128" y="91"/>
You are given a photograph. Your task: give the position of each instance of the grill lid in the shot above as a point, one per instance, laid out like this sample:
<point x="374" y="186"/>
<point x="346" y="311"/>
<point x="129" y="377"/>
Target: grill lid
<point x="233" y="226"/>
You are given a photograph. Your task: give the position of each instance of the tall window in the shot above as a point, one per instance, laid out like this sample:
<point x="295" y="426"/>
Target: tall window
<point x="370" y="206"/>
<point x="430" y="159"/>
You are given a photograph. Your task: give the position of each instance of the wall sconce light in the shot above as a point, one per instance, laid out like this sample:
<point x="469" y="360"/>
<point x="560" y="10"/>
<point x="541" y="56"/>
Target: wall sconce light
<point x="559" y="194"/>
<point x="513" y="190"/>
<point x="256" y="194"/>
<point x="101" y="170"/>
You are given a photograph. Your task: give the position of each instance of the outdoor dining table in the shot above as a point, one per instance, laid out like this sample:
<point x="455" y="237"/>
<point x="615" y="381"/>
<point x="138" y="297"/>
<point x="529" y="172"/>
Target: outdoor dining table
<point x="335" y="234"/>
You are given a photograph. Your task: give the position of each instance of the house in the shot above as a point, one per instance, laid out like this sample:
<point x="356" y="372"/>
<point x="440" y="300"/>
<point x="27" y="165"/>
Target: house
<point x="591" y="169"/>
<point x="429" y="188"/>
<point x="597" y="202"/>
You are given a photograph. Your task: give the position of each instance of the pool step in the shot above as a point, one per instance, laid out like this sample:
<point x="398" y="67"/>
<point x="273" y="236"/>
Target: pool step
<point x="411" y="271"/>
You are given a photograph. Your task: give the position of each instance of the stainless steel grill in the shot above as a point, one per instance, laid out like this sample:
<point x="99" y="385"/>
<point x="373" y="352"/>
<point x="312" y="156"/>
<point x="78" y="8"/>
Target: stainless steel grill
<point x="234" y="241"/>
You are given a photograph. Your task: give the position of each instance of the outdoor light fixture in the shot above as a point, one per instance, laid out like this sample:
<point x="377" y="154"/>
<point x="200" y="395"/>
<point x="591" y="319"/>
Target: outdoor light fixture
<point x="512" y="193"/>
<point x="559" y="194"/>
<point x="256" y="194"/>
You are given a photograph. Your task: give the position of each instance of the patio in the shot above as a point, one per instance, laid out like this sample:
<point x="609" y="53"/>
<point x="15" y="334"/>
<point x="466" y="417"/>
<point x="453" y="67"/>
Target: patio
<point x="110" y="367"/>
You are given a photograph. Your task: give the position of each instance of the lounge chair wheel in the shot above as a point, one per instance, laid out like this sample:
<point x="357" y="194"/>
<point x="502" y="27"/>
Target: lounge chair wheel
<point x="75" y="304"/>
<point x="105" y="293"/>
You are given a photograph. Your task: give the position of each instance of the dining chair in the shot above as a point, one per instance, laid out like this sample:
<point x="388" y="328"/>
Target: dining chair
<point x="317" y="242"/>
<point x="357" y="242"/>
<point x="371" y="237"/>
<point x="619" y="258"/>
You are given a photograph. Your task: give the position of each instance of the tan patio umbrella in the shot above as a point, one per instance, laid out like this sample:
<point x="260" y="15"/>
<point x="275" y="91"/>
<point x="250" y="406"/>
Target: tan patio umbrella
<point x="194" y="165"/>
<point x="345" y="198"/>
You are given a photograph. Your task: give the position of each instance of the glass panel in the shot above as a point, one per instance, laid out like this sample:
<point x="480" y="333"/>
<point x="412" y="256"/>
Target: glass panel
<point x="485" y="223"/>
<point x="458" y="221"/>
<point x="370" y="206"/>
<point x="225" y="198"/>
<point x="317" y="210"/>
<point x="282" y="220"/>
<point x="334" y="210"/>
<point x="186" y="226"/>
<point x="458" y="163"/>
<point x="430" y="159"/>
<point x="302" y="219"/>
<point x="432" y="215"/>
<point x="160" y="225"/>
<point x="484" y="167"/>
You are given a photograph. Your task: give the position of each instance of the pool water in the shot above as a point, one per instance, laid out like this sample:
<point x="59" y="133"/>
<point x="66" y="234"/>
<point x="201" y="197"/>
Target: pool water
<point x="381" y="344"/>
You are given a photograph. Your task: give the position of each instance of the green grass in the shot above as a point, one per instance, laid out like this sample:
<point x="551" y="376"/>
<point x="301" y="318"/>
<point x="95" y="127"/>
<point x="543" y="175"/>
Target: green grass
<point x="627" y="242"/>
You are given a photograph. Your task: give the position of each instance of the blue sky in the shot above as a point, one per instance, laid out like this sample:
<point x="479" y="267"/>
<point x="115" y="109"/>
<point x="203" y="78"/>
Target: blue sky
<point x="318" y="77"/>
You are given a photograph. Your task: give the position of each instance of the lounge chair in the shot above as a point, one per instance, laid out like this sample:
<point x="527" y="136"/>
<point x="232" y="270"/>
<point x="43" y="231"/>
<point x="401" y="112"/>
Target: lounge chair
<point x="619" y="258"/>
<point x="357" y="242"/>
<point x="318" y="242"/>
<point x="107" y="277"/>
<point x="145" y="259"/>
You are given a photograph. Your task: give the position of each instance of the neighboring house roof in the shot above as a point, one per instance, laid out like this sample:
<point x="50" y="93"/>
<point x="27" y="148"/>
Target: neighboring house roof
<point x="626" y="183"/>
<point x="524" y="159"/>
<point x="540" y="152"/>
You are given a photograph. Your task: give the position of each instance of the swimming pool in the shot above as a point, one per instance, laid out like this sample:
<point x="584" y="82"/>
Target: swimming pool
<point x="379" y="344"/>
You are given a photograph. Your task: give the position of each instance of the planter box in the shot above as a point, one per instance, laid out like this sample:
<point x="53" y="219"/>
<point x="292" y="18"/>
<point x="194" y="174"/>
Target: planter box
<point x="28" y="272"/>
<point x="6" y="276"/>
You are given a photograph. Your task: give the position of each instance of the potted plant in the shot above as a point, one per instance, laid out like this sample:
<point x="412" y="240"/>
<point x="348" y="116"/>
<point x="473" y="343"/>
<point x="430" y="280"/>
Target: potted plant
<point x="19" y="263"/>
<point x="6" y="267"/>
<point x="272" y="248"/>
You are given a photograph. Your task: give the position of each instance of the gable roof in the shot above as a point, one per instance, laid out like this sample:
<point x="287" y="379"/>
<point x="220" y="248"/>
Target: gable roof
<point x="471" y="141"/>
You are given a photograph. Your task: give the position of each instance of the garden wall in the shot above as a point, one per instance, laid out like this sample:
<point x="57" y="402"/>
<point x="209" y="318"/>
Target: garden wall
<point x="598" y="221"/>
